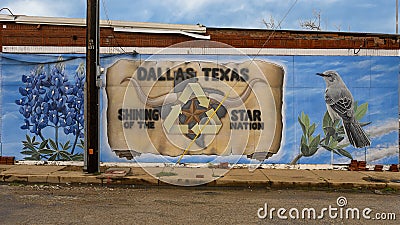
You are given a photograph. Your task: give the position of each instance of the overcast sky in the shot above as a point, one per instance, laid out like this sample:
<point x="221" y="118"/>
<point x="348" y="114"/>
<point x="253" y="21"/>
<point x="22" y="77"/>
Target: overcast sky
<point x="376" y="16"/>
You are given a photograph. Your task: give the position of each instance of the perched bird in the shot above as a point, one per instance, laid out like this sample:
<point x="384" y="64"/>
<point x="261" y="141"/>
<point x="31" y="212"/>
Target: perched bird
<point x="340" y="105"/>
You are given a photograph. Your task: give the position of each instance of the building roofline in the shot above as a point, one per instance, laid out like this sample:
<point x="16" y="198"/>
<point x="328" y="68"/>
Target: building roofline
<point x="22" y="19"/>
<point x="163" y="27"/>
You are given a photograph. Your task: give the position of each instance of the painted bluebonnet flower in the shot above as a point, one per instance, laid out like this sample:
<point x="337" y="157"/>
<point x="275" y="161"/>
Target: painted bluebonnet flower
<point x="73" y="121"/>
<point x="49" y="99"/>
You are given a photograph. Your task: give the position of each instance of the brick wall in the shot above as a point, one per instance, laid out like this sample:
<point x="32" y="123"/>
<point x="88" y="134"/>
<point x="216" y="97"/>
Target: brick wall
<point x="12" y="34"/>
<point x="302" y="39"/>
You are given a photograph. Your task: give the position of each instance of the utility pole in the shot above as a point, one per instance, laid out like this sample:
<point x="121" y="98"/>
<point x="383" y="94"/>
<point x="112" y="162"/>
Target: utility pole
<point x="397" y="16"/>
<point x="92" y="121"/>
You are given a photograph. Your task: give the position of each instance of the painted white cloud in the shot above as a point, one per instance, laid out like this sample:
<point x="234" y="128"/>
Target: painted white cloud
<point x="379" y="99"/>
<point x="374" y="154"/>
<point x="373" y="77"/>
<point x="384" y="68"/>
<point x="384" y="128"/>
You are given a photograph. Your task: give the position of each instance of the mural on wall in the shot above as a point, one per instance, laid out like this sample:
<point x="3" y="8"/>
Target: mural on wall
<point x="50" y="107"/>
<point x="167" y="107"/>
<point x="42" y="108"/>
<point x="341" y="107"/>
<point x="49" y="100"/>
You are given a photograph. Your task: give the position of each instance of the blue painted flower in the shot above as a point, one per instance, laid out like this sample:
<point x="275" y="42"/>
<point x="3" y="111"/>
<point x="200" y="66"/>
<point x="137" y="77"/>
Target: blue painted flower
<point x="50" y="99"/>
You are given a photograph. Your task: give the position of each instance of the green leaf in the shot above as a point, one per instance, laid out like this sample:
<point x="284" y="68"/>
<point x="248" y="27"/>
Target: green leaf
<point x="327" y="121"/>
<point x="29" y="141"/>
<point x="43" y="144"/>
<point x="27" y="152"/>
<point x="303" y="115"/>
<point x="311" y="130"/>
<point x="330" y="149"/>
<point x="65" y="155"/>
<point x="315" y="141"/>
<point x="53" y="157"/>
<point x="306" y="121"/>
<point x="28" y="138"/>
<point x="66" y="146"/>
<point x="303" y="127"/>
<point x="360" y="111"/>
<point x="46" y="151"/>
<point x="314" y="145"/>
<point x="305" y="150"/>
<point x="336" y="122"/>
<point x="355" y="106"/>
<point x="343" y="146"/>
<point x="81" y="144"/>
<point x="310" y="139"/>
<point x="344" y="153"/>
<point x="303" y="140"/>
<point x="53" y="144"/>
<point x="30" y="146"/>
<point x="333" y="144"/>
<point x="329" y="131"/>
<point x="313" y="150"/>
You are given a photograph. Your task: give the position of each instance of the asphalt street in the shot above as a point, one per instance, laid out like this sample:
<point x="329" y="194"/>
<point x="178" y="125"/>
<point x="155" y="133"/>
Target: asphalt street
<point x="95" y="204"/>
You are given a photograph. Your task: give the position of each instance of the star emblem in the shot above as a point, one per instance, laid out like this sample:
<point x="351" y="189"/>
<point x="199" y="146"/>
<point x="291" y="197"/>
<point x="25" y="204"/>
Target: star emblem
<point x="192" y="112"/>
<point x="189" y="118"/>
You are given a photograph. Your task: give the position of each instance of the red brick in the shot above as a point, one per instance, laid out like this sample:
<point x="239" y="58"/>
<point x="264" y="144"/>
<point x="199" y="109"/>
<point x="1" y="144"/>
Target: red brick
<point x="52" y="35"/>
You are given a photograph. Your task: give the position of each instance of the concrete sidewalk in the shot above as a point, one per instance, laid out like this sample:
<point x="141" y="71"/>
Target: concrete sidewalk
<point x="213" y="177"/>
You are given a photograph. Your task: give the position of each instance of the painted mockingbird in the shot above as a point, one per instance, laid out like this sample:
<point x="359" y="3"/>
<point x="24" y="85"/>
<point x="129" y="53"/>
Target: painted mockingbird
<point x="339" y="103"/>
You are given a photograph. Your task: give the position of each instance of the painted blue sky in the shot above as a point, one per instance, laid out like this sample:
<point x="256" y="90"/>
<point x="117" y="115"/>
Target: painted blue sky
<point x="345" y="15"/>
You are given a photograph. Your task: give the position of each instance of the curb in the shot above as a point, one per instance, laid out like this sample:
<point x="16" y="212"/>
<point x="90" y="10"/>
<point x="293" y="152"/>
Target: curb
<point x="235" y="178"/>
<point x="140" y="181"/>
